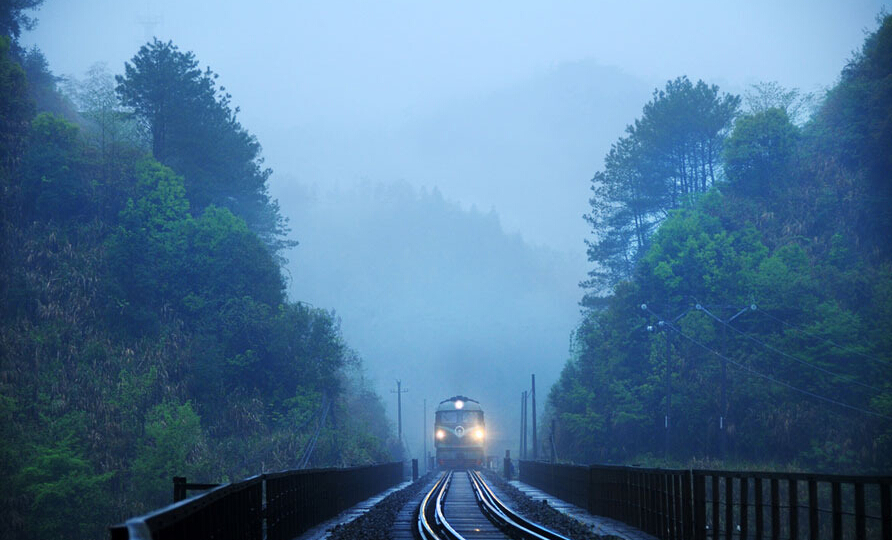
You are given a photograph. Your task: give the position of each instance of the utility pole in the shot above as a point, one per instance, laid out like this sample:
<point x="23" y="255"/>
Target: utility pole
<point x="399" y="408"/>
<point x="724" y="405"/>
<point x="524" y="443"/>
<point x="520" y="447"/>
<point x="724" y="410"/>
<point x="425" y="435"/>
<point x="665" y="326"/>
<point x="533" y="393"/>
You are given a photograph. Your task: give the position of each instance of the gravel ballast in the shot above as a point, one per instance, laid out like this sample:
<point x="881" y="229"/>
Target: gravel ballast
<point x="542" y="513"/>
<point x="377" y="523"/>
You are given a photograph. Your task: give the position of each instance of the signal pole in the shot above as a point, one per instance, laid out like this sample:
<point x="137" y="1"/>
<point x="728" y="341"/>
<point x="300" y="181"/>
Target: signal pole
<point x="535" y="446"/>
<point x="425" y="435"/>
<point x="399" y="408"/>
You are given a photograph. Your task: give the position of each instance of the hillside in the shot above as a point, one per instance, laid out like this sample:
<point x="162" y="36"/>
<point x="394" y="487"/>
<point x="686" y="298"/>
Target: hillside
<point x="145" y="331"/>
<point x="774" y="276"/>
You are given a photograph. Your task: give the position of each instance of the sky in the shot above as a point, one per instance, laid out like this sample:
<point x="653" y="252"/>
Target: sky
<point x="353" y="76"/>
<point x="506" y="108"/>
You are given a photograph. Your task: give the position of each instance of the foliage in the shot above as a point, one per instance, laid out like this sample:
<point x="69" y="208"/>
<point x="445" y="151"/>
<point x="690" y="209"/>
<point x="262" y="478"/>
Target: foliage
<point x="68" y="496"/>
<point x="194" y="130"/>
<point x="759" y="152"/>
<point x="13" y="19"/>
<point x="173" y="445"/>
<point x="16" y="111"/>
<point x="773" y="283"/>
<point x="58" y="185"/>
<point x="145" y="325"/>
<point x="668" y="156"/>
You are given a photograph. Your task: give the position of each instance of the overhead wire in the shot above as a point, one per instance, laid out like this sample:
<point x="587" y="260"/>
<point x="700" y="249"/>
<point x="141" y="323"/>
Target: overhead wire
<point x="768" y="377"/>
<point x="798" y="328"/>
<point x="841" y="376"/>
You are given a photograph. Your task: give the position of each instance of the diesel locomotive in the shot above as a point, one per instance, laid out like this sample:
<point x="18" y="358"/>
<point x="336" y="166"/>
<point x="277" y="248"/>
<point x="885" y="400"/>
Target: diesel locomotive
<point x="459" y="433"/>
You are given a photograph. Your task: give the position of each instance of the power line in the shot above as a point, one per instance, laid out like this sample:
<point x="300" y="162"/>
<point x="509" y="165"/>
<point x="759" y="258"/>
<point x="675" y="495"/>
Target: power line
<point x="770" y="378"/>
<point x="885" y="363"/>
<point x="848" y="378"/>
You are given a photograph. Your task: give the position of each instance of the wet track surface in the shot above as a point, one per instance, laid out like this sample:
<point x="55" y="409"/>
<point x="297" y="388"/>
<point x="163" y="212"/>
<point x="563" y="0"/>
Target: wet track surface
<point x="462" y="506"/>
<point x="463" y="513"/>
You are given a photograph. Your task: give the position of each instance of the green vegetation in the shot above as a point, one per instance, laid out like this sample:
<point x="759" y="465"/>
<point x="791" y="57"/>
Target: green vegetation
<point x="145" y="330"/>
<point x="794" y="220"/>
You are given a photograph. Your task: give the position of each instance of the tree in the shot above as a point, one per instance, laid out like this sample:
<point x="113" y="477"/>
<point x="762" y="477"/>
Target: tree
<point x="763" y="96"/>
<point x="668" y="156"/>
<point x="194" y="131"/>
<point x="172" y="445"/>
<point x="56" y="181"/>
<point x="16" y="110"/>
<point x="854" y="128"/>
<point x="13" y="19"/>
<point x="107" y="124"/>
<point x="759" y="152"/>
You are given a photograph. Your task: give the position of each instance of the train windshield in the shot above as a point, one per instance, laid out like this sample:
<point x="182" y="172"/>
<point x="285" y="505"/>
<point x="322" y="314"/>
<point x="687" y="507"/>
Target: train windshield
<point x="455" y="417"/>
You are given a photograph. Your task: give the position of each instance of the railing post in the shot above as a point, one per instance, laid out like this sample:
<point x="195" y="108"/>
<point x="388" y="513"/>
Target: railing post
<point x="590" y="490"/>
<point x="860" y="518"/>
<point x="715" y="506"/>
<point x="687" y="504"/>
<point x="812" y="509"/>
<point x="886" y="510"/>
<point x="836" y="496"/>
<point x="699" y="506"/>
<point x="179" y="488"/>
<point x="744" y="502"/>
<point x="793" y="486"/>
<point x="775" y="508"/>
<point x="729" y="506"/>
<point x="760" y="515"/>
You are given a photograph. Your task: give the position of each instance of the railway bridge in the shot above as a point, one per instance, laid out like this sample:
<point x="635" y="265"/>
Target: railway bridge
<point x="668" y="504"/>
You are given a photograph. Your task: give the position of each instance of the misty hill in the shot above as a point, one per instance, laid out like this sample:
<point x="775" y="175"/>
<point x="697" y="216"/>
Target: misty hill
<point x="528" y="149"/>
<point x="436" y="295"/>
<point x="753" y="318"/>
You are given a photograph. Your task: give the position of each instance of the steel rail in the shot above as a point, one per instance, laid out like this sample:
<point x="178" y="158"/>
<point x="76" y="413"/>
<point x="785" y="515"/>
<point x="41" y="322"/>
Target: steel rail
<point x="504" y="516"/>
<point x="425" y="529"/>
<point x="432" y="524"/>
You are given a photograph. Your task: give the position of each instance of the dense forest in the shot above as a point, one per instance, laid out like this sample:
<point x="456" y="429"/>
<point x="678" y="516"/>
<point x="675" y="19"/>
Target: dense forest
<point x="145" y="328"/>
<point x="743" y="240"/>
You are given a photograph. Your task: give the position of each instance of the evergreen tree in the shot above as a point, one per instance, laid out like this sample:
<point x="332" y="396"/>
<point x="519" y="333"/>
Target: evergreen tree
<point x="668" y="156"/>
<point x="194" y="130"/>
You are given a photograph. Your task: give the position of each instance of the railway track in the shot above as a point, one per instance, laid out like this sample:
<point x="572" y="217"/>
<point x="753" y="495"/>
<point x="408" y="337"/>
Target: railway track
<point x="461" y="506"/>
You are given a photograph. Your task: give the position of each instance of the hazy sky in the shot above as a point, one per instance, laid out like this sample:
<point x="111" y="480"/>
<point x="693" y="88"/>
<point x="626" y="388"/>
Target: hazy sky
<point x="297" y="58"/>
<point x="490" y="102"/>
<point x="344" y="75"/>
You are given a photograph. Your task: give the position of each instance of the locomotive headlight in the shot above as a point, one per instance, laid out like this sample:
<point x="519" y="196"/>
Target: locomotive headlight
<point x="441" y="434"/>
<point x="459" y="404"/>
<point x="478" y="434"/>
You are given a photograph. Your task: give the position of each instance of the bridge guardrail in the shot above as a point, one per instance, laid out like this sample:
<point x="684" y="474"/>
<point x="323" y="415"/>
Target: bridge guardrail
<point x="691" y="503"/>
<point x="275" y="506"/>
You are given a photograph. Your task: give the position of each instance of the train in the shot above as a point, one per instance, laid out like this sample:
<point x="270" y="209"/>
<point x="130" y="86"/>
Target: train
<point x="459" y="433"/>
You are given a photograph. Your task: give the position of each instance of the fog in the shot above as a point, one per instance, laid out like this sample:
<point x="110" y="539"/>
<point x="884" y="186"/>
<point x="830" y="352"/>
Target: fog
<point x="434" y="158"/>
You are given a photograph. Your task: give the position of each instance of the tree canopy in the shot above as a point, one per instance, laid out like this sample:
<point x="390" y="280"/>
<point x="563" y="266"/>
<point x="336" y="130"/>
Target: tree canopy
<point x="194" y="130"/>
<point x="668" y="156"/>
<point x="763" y="266"/>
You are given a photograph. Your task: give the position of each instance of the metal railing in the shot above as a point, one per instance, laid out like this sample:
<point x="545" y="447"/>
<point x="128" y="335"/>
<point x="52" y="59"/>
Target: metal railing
<point x="681" y="503"/>
<point x="276" y="506"/>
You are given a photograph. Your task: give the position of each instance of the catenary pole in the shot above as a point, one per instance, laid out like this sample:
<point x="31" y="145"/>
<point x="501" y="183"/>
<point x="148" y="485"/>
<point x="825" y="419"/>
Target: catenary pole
<point x="533" y="393"/>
